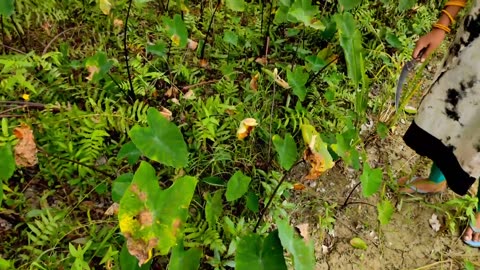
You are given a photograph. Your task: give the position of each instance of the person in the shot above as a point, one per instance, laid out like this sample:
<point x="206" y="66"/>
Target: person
<point x="446" y="128"/>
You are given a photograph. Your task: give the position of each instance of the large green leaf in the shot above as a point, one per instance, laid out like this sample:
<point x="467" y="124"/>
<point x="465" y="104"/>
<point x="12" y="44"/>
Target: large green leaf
<point x="235" y="5"/>
<point x="129" y="151"/>
<point x="152" y="218"/>
<point x="286" y="149"/>
<point x="237" y="186"/>
<point x="213" y="208"/>
<point x="7" y="162"/>
<point x="303" y="251"/>
<point x="349" y="4"/>
<point x="101" y="65"/>
<point x="371" y="179"/>
<point x="351" y="42"/>
<point x="254" y="252"/>
<point x="346" y="150"/>
<point x="161" y="141"/>
<point x="406" y="4"/>
<point x="297" y="80"/>
<point x="176" y="30"/>
<point x="303" y="11"/>
<point x="6" y="7"/>
<point x="120" y="185"/>
<point x="182" y="259"/>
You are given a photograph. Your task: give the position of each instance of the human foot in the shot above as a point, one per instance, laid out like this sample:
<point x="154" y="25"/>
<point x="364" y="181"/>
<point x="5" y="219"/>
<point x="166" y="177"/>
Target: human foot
<point x="421" y="185"/>
<point x="471" y="236"/>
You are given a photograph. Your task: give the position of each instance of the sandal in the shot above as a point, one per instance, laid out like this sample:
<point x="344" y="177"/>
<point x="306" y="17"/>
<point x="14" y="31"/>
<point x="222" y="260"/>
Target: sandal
<point x="471" y="243"/>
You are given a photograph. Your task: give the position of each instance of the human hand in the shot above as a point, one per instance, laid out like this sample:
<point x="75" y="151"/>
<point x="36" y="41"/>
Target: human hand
<point x="428" y="43"/>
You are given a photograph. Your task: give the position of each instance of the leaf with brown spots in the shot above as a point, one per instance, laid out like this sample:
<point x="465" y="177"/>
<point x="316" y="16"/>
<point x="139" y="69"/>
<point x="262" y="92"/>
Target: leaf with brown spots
<point x="26" y="149"/>
<point x="153" y="218"/>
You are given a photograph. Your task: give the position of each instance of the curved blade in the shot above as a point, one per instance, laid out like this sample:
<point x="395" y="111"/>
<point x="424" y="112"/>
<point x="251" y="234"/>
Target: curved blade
<point x="401" y="80"/>
<point x="407" y="68"/>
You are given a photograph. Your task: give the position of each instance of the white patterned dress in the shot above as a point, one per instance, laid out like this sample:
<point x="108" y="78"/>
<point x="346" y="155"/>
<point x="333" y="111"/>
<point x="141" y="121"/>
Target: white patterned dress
<point x="447" y="126"/>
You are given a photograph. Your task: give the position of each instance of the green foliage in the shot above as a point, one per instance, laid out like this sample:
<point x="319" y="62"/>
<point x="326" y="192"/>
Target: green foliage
<point x="147" y="216"/>
<point x="256" y="252"/>
<point x="301" y="250"/>
<point x="237" y="186"/>
<point x="7" y="8"/>
<point x="371" y="180"/>
<point x="385" y="211"/>
<point x="161" y="141"/>
<point x="286" y="149"/>
<point x="83" y="122"/>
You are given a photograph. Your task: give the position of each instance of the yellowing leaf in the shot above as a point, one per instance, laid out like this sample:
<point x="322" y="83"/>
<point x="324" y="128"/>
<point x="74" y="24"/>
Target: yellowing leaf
<point x="26" y="149"/>
<point x="166" y="113"/>
<point x="175" y="40"/>
<point x="105" y="6"/>
<point x="316" y="154"/>
<point x="246" y="127"/>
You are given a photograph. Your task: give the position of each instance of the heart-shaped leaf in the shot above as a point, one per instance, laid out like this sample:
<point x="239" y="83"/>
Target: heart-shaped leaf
<point x="371" y="180"/>
<point x="182" y="259"/>
<point x="7" y="162"/>
<point x="161" y="141"/>
<point x="297" y="80"/>
<point x="237" y="186"/>
<point x="286" y="149"/>
<point x="255" y="252"/>
<point x="129" y="151"/>
<point x="302" y="250"/>
<point x="177" y="30"/>
<point x="150" y="217"/>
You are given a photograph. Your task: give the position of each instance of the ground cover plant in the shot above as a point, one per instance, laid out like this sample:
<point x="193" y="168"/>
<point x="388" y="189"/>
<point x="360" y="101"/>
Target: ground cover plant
<point x="165" y="134"/>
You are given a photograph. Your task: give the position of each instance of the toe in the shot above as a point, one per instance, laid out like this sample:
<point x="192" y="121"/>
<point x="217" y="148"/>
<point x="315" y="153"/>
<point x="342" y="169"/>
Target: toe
<point x="403" y="180"/>
<point x="467" y="236"/>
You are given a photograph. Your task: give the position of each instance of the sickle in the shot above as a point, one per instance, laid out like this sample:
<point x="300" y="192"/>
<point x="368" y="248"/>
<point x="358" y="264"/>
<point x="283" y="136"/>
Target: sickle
<point x="407" y="68"/>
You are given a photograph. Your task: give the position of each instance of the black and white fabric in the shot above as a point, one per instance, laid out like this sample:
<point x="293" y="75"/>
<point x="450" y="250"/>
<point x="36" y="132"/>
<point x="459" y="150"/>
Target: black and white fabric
<point x="447" y="126"/>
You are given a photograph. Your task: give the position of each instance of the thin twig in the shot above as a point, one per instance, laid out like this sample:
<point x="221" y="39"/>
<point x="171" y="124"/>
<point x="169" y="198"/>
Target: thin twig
<point x="19" y="34"/>
<point x="54" y="38"/>
<point x="23" y="103"/>
<point x="433" y="264"/>
<point x="202" y="52"/>
<point x="349" y="195"/>
<point x="311" y="79"/>
<point x="13" y="49"/>
<point x="187" y="87"/>
<point x="112" y="176"/>
<point x="125" y="52"/>
<point x="13" y="109"/>
<point x="270" y="200"/>
<point x="10" y="116"/>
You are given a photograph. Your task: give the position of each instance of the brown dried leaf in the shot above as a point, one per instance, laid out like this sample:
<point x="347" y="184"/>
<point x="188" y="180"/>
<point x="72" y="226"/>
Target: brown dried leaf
<point x="189" y="95"/>
<point x="261" y="61"/>
<point x="298" y="186"/>
<point x="304" y="232"/>
<point x="192" y="45"/>
<point x="172" y="92"/>
<point x="279" y="80"/>
<point x="26" y="149"/>
<point x="112" y="210"/>
<point x="254" y="82"/>
<point x="203" y="63"/>
<point x="166" y="113"/>
<point x="316" y="162"/>
<point x="117" y="23"/>
<point x="92" y="70"/>
<point x="141" y="249"/>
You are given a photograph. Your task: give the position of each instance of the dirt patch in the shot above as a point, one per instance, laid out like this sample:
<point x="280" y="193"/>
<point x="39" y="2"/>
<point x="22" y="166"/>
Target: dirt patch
<point x="407" y="242"/>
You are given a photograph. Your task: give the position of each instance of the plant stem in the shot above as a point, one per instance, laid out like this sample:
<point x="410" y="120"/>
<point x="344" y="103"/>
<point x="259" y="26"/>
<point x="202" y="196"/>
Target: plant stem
<point x="131" y="92"/>
<point x="3" y="33"/>
<point x="349" y="195"/>
<point x="19" y="34"/>
<point x="202" y="53"/>
<point x="311" y="79"/>
<point x="267" y="31"/>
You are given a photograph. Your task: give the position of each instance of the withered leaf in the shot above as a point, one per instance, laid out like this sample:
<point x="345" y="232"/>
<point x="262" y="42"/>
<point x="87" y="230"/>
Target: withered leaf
<point x="26" y="149"/>
<point x="246" y="127"/>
